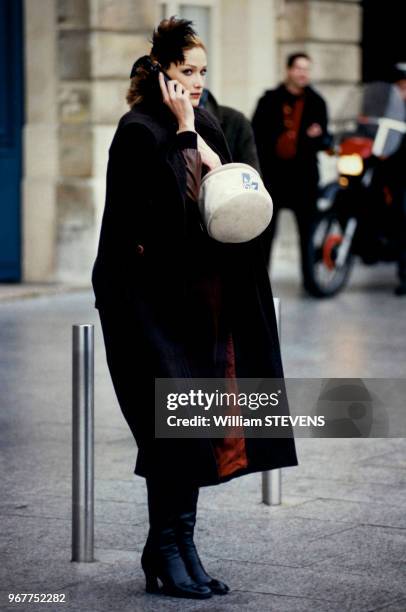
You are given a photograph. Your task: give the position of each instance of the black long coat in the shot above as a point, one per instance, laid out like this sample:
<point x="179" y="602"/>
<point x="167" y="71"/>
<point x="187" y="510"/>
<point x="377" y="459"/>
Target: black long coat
<point x="141" y="280"/>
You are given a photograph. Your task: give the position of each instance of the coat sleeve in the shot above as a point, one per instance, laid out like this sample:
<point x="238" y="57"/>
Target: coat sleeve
<point x="132" y="158"/>
<point x="187" y="144"/>
<point x="322" y="142"/>
<point x="141" y="162"/>
<point x="131" y="176"/>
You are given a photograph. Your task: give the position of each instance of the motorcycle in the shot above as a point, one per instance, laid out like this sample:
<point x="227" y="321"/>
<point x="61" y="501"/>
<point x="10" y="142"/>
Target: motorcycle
<point x="355" y="213"/>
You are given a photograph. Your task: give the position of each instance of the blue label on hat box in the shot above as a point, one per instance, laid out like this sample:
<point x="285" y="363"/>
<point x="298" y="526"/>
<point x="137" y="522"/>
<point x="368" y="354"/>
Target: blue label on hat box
<point x="247" y="182"/>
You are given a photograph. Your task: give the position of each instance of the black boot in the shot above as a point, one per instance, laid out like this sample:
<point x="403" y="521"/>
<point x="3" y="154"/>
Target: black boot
<point x="161" y="557"/>
<point x="401" y="288"/>
<point x="187" y="547"/>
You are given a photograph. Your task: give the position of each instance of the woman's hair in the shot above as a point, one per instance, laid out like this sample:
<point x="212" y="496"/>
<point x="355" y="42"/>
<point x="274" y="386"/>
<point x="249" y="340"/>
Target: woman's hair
<point x="170" y="40"/>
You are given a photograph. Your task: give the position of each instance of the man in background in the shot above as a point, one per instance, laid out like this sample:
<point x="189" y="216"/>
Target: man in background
<point x="395" y="169"/>
<point x="237" y="130"/>
<point x="290" y="127"/>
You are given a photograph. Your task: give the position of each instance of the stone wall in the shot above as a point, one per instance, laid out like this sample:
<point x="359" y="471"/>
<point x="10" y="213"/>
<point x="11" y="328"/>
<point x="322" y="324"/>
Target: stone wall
<point x="257" y="37"/>
<point x="248" y="54"/>
<point x="330" y="32"/>
<point x="93" y="45"/>
<point x="40" y="139"/>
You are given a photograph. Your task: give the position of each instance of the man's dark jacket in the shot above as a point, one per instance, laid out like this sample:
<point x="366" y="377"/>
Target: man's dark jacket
<point x="302" y="171"/>
<point x="141" y="280"/>
<point x="237" y="130"/>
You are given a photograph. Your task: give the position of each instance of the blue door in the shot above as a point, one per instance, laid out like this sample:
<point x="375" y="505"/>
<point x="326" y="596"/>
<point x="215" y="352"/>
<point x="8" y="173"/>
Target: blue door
<point x="11" y="119"/>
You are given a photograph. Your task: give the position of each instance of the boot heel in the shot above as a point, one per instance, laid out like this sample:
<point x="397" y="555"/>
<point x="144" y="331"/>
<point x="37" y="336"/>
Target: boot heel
<point x="151" y="584"/>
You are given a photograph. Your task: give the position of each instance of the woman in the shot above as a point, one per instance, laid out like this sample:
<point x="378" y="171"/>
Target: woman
<point x="173" y="303"/>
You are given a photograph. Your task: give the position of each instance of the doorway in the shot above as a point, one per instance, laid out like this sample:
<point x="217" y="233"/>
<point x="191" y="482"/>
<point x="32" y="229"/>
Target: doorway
<point x="383" y="38"/>
<point x="11" y="121"/>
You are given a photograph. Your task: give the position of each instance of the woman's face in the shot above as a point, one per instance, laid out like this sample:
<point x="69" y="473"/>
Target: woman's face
<point x="192" y="73"/>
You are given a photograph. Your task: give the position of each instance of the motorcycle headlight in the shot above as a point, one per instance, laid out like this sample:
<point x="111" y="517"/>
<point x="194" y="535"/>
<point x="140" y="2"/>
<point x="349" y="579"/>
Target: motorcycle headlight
<point x="350" y="165"/>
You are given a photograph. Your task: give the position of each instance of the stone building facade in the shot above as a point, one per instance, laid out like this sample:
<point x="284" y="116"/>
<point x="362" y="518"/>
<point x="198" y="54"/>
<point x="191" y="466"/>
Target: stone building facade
<point x="78" y="54"/>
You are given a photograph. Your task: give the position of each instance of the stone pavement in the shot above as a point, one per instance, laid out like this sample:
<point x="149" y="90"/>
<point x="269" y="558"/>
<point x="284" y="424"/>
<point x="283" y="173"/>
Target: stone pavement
<point x="17" y="291"/>
<point x="337" y="542"/>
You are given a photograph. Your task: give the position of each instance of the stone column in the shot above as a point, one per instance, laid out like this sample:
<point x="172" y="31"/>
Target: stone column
<point x="78" y="57"/>
<point x="248" y="52"/>
<point x="98" y="40"/>
<point x="40" y="142"/>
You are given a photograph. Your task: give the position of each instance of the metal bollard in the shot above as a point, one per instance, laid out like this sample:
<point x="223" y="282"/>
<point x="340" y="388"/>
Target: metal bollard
<point x="272" y="479"/>
<point x="83" y="443"/>
<point x="272" y="487"/>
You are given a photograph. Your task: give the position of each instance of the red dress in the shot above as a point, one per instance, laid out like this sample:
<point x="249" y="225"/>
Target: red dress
<point x="205" y="290"/>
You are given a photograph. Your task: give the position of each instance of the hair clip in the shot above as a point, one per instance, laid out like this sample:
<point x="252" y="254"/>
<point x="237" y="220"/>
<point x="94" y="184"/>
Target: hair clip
<point x="144" y="62"/>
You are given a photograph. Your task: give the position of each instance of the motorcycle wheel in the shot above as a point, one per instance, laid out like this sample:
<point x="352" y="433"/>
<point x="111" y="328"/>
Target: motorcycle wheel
<point x="322" y="276"/>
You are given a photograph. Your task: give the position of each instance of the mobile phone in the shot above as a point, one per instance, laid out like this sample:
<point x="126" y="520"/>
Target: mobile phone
<point x="166" y="78"/>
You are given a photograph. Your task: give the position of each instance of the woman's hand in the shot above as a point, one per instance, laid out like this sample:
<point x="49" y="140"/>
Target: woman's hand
<point x="209" y="157"/>
<point x="176" y="97"/>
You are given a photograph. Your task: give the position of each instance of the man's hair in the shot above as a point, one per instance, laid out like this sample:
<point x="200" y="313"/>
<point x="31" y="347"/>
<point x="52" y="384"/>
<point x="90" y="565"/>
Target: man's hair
<point x="294" y="56"/>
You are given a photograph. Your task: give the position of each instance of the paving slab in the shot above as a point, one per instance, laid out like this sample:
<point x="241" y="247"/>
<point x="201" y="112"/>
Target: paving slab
<point x="345" y="511"/>
<point x="396" y="606"/>
<point x="337" y="542"/>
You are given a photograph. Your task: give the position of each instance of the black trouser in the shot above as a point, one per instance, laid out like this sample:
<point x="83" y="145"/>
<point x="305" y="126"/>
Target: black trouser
<point x="400" y="210"/>
<point x="391" y="173"/>
<point x="304" y="216"/>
